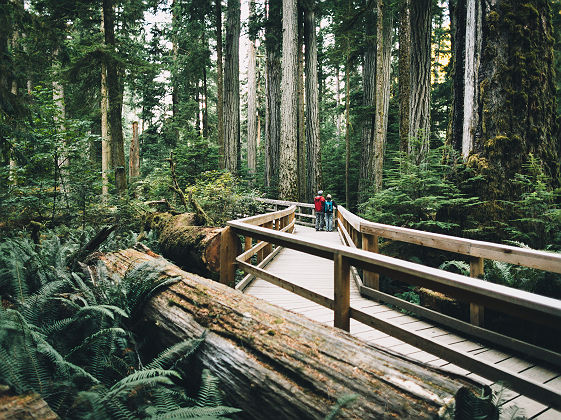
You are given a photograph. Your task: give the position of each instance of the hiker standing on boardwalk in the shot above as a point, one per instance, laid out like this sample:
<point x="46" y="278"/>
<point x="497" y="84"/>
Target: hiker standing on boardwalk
<point x="328" y="206"/>
<point x="318" y="204"/>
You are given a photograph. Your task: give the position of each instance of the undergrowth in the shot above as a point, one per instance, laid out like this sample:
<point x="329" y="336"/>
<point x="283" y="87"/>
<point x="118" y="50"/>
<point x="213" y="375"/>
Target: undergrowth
<point x="69" y="338"/>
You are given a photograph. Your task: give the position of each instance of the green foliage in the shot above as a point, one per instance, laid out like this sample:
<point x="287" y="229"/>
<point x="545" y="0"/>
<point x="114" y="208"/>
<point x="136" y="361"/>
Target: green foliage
<point x="341" y="403"/>
<point x="53" y="174"/>
<point x="418" y="195"/>
<point x="484" y="405"/>
<point x="66" y="338"/>
<point x="223" y="196"/>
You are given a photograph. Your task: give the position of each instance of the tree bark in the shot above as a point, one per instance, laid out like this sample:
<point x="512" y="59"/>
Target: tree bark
<point x="301" y="115"/>
<point x="288" y="171"/>
<point x="313" y="146"/>
<point x="384" y="23"/>
<point x="369" y="103"/>
<point x="232" y="88"/>
<point x="273" y="42"/>
<point x="219" y="84"/>
<point x="134" y="154"/>
<point x="404" y="73"/>
<point x="420" y="65"/>
<point x="105" y="133"/>
<point x="251" y="101"/>
<point x="271" y="360"/>
<point x="115" y="100"/>
<point x="507" y="112"/>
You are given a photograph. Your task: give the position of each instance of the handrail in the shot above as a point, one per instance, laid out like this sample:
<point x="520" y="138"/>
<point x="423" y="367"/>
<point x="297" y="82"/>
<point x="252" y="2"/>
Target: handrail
<point x="515" y="302"/>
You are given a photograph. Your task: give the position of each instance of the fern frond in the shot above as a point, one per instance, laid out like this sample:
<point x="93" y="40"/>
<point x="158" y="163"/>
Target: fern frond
<point x="170" y="356"/>
<point x="197" y="413"/>
<point x="460" y="267"/>
<point x="96" y="336"/>
<point x="121" y="387"/>
<point x="209" y="394"/>
<point x="341" y="403"/>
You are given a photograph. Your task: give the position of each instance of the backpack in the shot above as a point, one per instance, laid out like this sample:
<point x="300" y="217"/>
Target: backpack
<point x="329" y="206"/>
<point x="318" y="203"/>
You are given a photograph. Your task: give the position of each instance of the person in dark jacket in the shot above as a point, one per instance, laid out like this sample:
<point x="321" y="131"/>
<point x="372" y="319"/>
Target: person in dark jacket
<point x="328" y="207"/>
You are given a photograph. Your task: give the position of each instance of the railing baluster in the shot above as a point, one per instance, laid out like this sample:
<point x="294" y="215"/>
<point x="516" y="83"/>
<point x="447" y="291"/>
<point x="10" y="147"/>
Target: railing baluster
<point x="476" y="312"/>
<point x="342" y="295"/>
<point x="370" y="243"/>
<point x="248" y="243"/>
<point x="269" y="248"/>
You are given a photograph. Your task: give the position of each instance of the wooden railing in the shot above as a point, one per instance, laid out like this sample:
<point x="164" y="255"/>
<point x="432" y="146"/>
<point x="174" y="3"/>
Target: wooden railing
<point x="359" y="233"/>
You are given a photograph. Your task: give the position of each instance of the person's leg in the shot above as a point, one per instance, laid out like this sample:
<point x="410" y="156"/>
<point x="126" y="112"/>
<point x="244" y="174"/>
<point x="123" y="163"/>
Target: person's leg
<point x="317" y="220"/>
<point x="322" y="221"/>
<point x="329" y="221"/>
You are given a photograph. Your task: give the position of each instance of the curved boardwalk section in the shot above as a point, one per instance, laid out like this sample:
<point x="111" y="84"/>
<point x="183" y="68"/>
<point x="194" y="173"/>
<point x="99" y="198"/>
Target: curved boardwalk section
<point x="316" y="274"/>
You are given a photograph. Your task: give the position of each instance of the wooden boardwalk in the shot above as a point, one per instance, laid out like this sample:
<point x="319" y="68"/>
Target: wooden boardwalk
<point x="316" y="274"/>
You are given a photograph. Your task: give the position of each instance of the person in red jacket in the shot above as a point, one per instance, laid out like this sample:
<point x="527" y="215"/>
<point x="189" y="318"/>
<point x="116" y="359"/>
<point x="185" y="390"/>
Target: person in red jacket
<point x="318" y="205"/>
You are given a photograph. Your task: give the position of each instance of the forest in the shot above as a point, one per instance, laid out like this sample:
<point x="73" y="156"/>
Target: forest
<point x="117" y="115"/>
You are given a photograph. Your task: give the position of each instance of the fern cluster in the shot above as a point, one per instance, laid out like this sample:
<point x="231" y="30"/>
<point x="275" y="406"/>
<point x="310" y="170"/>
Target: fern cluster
<point x="67" y="338"/>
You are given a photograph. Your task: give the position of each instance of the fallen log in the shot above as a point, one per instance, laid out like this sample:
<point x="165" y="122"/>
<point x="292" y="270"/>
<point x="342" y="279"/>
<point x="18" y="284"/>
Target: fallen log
<point x="23" y="407"/>
<point x="191" y="246"/>
<point x="276" y="364"/>
<point x="195" y="248"/>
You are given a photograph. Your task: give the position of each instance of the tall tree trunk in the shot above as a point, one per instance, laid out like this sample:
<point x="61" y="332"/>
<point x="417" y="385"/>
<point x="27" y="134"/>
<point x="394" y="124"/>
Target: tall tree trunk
<point x="174" y="76"/>
<point x="105" y="133"/>
<point x="251" y="101"/>
<point x="115" y="100"/>
<point x="205" y="97"/>
<point x="288" y="173"/>
<point x="337" y="100"/>
<point x="419" y="119"/>
<point x="301" y="117"/>
<point x="368" y="102"/>
<point x="219" y="84"/>
<point x="384" y="23"/>
<point x="12" y="168"/>
<point x="347" y="118"/>
<point x="514" y="110"/>
<point x="404" y="73"/>
<point x="273" y="40"/>
<point x="134" y="155"/>
<point x="232" y="88"/>
<point x="313" y="146"/>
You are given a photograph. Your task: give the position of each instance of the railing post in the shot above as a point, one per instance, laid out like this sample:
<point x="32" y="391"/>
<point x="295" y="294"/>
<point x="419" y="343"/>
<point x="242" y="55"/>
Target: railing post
<point x="248" y="243"/>
<point x="370" y="243"/>
<point x="268" y="248"/>
<point x="342" y="295"/>
<point x="228" y="256"/>
<point x="476" y="312"/>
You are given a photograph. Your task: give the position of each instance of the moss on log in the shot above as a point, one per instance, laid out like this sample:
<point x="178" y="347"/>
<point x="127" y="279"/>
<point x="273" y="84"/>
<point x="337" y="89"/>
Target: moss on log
<point x="277" y="364"/>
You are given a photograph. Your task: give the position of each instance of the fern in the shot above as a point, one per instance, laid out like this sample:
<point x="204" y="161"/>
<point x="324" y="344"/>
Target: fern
<point x="340" y="404"/>
<point x="172" y="355"/>
<point x="460" y="267"/>
<point x="209" y="394"/>
<point x="197" y="413"/>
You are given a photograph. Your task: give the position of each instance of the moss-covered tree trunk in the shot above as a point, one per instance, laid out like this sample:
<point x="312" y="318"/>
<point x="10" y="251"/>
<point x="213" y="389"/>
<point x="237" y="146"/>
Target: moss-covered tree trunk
<point x="505" y="48"/>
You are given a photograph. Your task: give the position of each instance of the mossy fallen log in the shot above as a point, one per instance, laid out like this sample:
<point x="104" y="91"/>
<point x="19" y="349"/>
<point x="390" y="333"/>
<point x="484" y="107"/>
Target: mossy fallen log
<point x="192" y="247"/>
<point x="276" y="364"/>
<point x="23" y="407"/>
